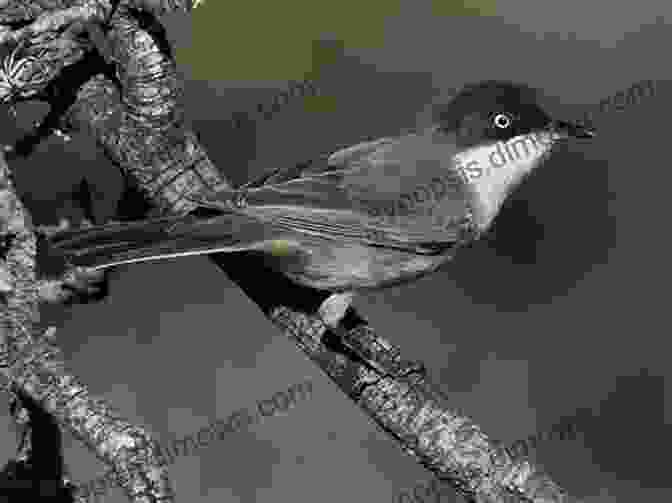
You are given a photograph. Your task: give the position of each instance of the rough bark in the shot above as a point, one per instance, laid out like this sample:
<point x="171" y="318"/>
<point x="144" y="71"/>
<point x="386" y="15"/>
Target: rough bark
<point x="136" y="116"/>
<point x="35" y="364"/>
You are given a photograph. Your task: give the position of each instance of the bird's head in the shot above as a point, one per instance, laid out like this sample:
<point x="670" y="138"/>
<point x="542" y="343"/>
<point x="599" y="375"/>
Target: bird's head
<point x="502" y="134"/>
<point x="497" y="111"/>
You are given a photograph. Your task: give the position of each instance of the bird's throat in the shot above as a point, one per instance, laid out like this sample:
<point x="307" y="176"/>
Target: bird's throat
<point x="496" y="170"/>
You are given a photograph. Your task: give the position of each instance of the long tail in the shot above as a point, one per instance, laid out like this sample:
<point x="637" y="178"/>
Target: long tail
<point x="175" y="236"/>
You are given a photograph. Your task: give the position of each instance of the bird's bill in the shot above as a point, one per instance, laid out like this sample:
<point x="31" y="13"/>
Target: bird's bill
<point x="571" y="130"/>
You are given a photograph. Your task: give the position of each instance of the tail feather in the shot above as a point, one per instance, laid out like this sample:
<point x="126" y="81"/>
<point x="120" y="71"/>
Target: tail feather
<point x="120" y="243"/>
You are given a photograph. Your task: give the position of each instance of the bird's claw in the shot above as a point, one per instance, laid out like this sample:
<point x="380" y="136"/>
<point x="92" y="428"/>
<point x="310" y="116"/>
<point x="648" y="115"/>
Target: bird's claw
<point x="385" y="359"/>
<point x="382" y="358"/>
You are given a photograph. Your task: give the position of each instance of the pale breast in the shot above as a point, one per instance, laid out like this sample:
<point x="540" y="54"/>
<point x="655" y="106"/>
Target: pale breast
<point x="493" y="171"/>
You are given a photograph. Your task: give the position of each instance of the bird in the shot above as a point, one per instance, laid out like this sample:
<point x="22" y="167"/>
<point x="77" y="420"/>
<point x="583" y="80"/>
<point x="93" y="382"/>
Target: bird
<point x="382" y="212"/>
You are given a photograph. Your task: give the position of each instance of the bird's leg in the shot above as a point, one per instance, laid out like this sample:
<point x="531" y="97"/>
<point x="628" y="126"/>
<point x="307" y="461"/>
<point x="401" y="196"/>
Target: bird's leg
<point x="333" y="309"/>
<point x="381" y="356"/>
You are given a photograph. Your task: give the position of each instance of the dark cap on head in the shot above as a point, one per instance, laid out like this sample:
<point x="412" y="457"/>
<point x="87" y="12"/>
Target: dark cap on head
<point x="484" y="95"/>
<point x="494" y="110"/>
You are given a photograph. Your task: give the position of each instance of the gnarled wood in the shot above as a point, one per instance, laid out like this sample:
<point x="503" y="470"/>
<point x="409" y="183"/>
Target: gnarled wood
<point x="137" y="119"/>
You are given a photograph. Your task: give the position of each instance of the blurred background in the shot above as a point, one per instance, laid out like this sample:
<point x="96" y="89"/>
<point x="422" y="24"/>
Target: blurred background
<point x="559" y="314"/>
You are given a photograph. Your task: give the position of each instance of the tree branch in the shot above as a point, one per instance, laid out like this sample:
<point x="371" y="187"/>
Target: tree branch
<point x="35" y="365"/>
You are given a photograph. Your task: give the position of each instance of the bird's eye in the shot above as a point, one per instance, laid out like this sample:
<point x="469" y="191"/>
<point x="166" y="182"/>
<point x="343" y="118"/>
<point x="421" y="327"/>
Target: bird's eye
<point x="502" y="121"/>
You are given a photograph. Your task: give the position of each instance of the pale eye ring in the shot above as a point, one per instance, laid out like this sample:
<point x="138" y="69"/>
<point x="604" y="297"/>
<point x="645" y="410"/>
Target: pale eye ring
<point x="502" y="121"/>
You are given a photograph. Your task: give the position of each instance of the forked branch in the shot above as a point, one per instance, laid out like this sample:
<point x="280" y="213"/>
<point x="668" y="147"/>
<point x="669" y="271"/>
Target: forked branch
<point x="137" y="119"/>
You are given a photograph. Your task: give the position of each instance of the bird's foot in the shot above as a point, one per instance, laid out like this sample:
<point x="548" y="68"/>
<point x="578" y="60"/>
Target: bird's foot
<point x="380" y="354"/>
<point x="377" y="353"/>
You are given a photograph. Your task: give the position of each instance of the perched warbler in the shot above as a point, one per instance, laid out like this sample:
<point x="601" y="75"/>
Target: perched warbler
<point x="375" y="214"/>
